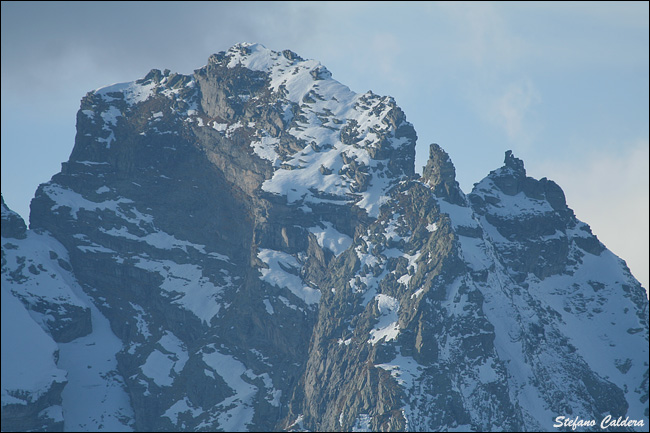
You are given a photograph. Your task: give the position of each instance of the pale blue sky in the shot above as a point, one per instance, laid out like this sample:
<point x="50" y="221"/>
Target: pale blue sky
<point x="562" y="84"/>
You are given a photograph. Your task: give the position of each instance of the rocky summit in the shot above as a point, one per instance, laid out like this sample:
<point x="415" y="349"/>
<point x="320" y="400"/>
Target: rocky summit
<point x="250" y="248"/>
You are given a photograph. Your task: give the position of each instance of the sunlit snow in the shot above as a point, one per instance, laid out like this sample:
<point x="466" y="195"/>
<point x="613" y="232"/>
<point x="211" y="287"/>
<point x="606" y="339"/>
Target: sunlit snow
<point x="283" y="271"/>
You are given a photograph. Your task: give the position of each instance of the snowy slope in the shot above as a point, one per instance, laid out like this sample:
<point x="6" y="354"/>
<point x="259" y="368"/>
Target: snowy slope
<point x="36" y="270"/>
<point x="95" y="398"/>
<point x="53" y="334"/>
<point x="29" y="369"/>
<point x="336" y="125"/>
<point x="577" y="315"/>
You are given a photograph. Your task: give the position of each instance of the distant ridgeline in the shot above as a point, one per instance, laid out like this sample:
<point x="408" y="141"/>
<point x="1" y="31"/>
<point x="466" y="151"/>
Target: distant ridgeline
<point x="250" y="248"/>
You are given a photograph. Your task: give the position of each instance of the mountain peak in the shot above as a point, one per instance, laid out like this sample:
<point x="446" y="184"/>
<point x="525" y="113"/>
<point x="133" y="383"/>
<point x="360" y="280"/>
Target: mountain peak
<point x="511" y="177"/>
<point x="13" y="225"/>
<point x="514" y="163"/>
<point x="440" y="174"/>
<point x="257" y="253"/>
<point x="257" y="57"/>
<point x="247" y="49"/>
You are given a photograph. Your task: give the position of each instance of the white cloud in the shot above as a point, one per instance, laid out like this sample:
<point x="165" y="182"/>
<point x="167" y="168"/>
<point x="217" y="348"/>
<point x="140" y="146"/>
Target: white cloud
<point x="609" y="191"/>
<point x="482" y="34"/>
<point x="386" y="49"/>
<point x="512" y="111"/>
<point x="490" y="52"/>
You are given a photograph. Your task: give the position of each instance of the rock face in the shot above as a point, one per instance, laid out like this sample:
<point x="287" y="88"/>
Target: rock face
<point x="249" y="248"/>
<point x="13" y="225"/>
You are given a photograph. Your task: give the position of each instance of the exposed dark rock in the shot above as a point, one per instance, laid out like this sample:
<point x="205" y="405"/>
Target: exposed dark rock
<point x="13" y="225"/>
<point x="441" y="175"/>
<point x="35" y="416"/>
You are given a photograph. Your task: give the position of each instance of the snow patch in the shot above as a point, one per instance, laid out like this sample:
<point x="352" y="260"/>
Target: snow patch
<point x="283" y="272"/>
<point x="221" y="127"/>
<point x="187" y="286"/>
<point x="143" y="328"/>
<point x="64" y="197"/>
<point x="181" y="406"/>
<point x="268" y="306"/>
<point x="265" y="149"/>
<point x="160" y="367"/>
<point x="362" y="423"/>
<point x="404" y="369"/>
<point x="133" y="92"/>
<point x="432" y="227"/>
<point x="235" y="412"/>
<point x="330" y="238"/>
<point x="387" y="328"/>
<point x="28" y="354"/>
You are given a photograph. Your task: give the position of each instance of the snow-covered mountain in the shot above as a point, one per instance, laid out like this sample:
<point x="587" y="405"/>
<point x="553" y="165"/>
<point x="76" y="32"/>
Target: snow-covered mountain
<point x="250" y="248"/>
